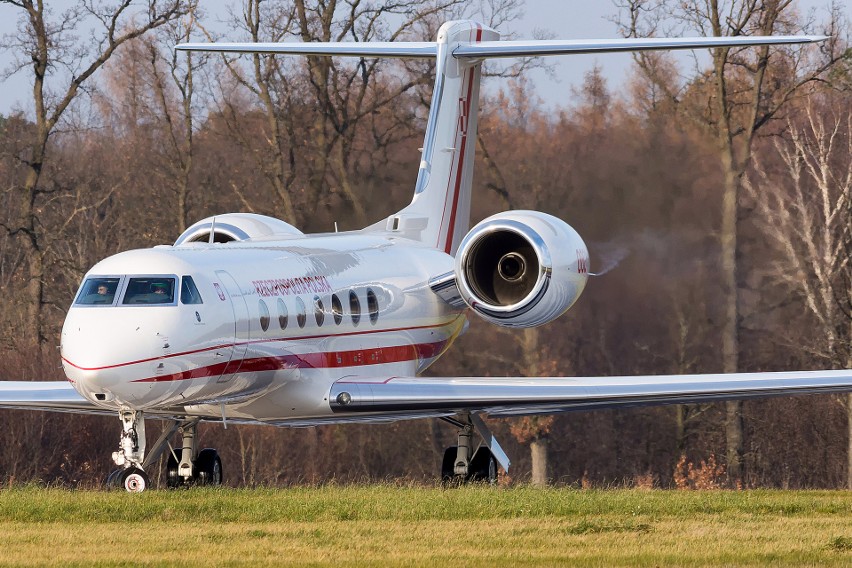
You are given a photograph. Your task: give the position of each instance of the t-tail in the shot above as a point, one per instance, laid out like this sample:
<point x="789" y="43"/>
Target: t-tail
<point x="439" y="213"/>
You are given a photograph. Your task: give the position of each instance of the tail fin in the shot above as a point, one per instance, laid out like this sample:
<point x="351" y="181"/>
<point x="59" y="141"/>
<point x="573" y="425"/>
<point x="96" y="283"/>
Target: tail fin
<point x="439" y="213"/>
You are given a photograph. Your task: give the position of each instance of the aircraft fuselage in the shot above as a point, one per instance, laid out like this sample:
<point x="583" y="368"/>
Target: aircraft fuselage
<point x="264" y="328"/>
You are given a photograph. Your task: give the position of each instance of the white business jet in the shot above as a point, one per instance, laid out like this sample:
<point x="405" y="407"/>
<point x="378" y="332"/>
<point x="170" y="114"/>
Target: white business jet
<point x="245" y="319"/>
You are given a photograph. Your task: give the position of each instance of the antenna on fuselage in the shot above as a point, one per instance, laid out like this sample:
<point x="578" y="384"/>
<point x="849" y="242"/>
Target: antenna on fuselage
<point x="212" y="230"/>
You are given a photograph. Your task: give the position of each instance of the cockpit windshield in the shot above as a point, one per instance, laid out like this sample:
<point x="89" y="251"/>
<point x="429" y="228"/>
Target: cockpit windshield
<point x="150" y="290"/>
<point x="98" y="291"/>
<point x="136" y="290"/>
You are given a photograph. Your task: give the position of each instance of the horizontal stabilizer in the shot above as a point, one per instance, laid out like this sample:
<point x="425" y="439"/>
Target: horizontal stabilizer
<point x="403" y="49"/>
<point x="537" y="48"/>
<point x="492" y="49"/>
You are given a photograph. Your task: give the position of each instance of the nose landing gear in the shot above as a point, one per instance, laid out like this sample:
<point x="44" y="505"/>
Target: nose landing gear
<point x="184" y="466"/>
<point x="130" y="455"/>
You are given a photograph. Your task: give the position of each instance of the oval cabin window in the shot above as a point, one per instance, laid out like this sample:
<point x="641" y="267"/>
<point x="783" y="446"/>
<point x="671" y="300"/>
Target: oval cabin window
<point x="372" y="306"/>
<point x="354" y="307"/>
<point x="301" y="316"/>
<point x="282" y="314"/>
<point x="336" y="309"/>
<point x="264" y="315"/>
<point x="319" y="310"/>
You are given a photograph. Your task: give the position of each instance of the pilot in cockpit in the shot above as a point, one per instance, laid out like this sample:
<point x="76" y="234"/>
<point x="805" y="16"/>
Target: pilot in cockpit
<point x="101" y="296"/>
<point x="160" y="293"/>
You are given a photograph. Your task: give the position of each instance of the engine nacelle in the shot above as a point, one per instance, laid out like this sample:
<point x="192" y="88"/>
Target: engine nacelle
<point x="238" y="227"/>
<point x="521" y="268"/>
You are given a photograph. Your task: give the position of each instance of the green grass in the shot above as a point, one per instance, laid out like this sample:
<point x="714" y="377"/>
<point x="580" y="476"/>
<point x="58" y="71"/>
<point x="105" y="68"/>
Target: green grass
<point x="421" y="526"/>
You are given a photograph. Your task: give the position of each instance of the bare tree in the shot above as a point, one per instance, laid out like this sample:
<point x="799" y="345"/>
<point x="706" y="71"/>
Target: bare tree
<point x="61" y="69"/>
<point x="175" y="94"/>
<point x="805" y="211"/>
<point x="742" y="93"/>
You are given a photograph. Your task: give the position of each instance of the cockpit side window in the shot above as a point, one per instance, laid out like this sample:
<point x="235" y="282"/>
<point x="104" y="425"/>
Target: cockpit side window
<point x="98" y="292"/>
<point x="188" y="292"/>
<point x="150" y="290"/>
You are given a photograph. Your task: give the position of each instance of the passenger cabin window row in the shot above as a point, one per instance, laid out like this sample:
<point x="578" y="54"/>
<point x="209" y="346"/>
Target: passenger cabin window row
<point x="319" y="308"/>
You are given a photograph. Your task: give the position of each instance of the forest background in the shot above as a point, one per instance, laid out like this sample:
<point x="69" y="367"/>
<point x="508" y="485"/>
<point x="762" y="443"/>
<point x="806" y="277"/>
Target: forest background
<point x="714" y="196"/>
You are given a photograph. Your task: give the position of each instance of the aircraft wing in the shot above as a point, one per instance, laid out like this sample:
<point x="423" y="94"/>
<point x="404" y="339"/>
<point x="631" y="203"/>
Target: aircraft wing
<point x="513" y="396"/>
<point x="46" y="395"/>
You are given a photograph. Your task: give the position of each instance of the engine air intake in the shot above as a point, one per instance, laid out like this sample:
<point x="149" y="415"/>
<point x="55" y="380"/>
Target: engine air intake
<point x="237" y="227"/>
<point x="503" y="268"/>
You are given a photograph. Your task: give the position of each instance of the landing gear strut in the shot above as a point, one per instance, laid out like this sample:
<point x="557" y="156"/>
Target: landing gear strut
<point x="184" y="465"/>
<point x="465" y="463"/>
<point x="192" y="467"/>
<point x="130" y="455"/>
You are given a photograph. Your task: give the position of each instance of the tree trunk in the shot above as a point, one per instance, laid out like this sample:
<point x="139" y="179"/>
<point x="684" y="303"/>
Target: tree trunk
<point x="730" y="291"/>
<point x="730" y="332"/>
<point x="29" y="238"/>
<point x="849" y="443"/>
<point x="680" y="428"/>
<point x="538" y="453"/>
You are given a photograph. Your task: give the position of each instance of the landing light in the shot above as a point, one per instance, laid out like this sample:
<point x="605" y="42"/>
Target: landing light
<point x="344" y="398"/>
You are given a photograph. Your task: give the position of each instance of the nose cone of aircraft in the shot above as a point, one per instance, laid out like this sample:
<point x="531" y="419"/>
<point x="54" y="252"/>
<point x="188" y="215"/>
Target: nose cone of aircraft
<point x="105" y="349"/>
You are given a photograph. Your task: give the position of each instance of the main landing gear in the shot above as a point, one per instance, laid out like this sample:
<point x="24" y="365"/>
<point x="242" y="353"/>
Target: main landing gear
<point x="185" y="465"/>
<point x="465" y="463"/>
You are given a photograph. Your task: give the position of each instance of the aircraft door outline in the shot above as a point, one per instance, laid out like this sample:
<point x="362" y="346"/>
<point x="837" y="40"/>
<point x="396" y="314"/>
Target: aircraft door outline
<point x="232" y="291"/>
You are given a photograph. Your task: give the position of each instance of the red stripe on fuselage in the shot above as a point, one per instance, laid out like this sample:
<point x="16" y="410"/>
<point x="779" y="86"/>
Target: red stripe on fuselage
<point x="329" y="360"/>
<point x="257" y="341"/>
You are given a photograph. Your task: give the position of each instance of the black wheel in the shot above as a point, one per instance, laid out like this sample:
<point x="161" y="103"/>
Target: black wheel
<point x="483" y="466"/>
<point x="208" y="467"/>
<point x="448" y="465"/>
<point x="112" y="480"/>
<point x="173" y="480"/>
<point x="133" y="480"/>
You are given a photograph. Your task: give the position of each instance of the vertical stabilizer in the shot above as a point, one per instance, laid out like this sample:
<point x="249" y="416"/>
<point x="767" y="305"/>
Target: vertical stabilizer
<point x="439" y="214"/>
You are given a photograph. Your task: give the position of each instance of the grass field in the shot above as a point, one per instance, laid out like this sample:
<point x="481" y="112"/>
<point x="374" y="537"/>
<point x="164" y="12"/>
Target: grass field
<point x="421" y="526"/>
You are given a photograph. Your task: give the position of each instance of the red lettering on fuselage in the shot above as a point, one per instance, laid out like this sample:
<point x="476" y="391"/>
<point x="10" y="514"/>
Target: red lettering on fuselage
<point x="288" y="286"/>
<point x="582" y="262"/>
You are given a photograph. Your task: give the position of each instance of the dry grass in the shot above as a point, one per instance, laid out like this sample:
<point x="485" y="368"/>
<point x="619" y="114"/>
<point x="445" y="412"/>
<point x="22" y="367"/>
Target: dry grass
<point x="377" y="526"/>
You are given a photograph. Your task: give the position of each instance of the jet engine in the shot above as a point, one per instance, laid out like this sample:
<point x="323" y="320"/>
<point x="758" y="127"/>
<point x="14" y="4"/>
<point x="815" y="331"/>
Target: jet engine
<point x="238" y="227"/>
<point x="521" y="268"/>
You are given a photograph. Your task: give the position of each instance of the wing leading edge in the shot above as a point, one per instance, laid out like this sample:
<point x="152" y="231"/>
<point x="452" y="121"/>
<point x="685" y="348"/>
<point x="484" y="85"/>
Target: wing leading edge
<point x="544" y="395"/>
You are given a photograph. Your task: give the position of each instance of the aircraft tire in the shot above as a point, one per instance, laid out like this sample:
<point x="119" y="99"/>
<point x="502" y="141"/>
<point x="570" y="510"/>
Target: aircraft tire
<point x="483" y="467"/>
<point x="112" y="480"/>
<point x="448" y="475"/>
<point x="209" y="467"/>
<point x="134" y="480"/>
<point x="173" y="480"/>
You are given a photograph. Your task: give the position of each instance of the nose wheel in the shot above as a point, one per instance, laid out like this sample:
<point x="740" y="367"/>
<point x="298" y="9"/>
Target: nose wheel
<point x="130" y="479"/>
